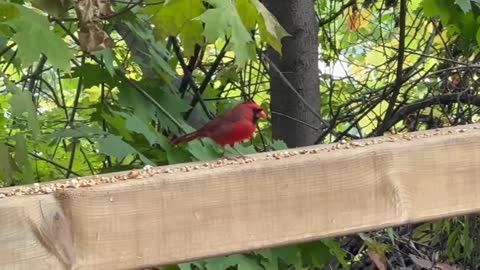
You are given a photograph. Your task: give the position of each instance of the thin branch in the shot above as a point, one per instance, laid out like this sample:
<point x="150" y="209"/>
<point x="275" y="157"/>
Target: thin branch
<point x="322" y="22"/>
<point x="6" y="49"/>
<point x="48" y="161"/>
<point x="285" y="80"/>
<point x="37" y="73"/>
<point x="445" y="99"/>
<point x="296" y="120"/>
<point x="188" y="76"/>
<point x="208" y="77"/>
<point x="399" y="74"/>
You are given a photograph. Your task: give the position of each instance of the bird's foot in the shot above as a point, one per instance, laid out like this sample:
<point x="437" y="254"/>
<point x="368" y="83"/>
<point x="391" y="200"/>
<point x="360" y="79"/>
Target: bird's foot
<point x="228" y="157"/>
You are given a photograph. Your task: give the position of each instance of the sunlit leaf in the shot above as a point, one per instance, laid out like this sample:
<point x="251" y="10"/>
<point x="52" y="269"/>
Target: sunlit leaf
<point x="175" y="18"/>
<point x="270" y="29"/>
<point x="223" y="20"/>
<point x="8" y="11"/>
<point x="247" y="12"/>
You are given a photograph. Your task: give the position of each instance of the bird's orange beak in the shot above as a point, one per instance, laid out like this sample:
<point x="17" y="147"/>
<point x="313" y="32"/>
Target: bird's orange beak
<point x="261" y="114"/>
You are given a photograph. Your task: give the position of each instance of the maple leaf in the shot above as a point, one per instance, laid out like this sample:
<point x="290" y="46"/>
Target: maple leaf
<point x="270" y="29"/>
<point x="34" y="37"/>
<point x="175" y="18"/>
<point x="224" y="21"/>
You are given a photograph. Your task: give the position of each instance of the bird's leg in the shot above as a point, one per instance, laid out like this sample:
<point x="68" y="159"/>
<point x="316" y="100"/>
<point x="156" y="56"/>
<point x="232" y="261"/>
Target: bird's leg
<point x="236" y="150"/>
<point x="225" y="155"/>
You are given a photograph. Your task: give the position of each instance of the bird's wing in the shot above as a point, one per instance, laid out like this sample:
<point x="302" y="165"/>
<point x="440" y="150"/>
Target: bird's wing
<point x="231" y="132"/>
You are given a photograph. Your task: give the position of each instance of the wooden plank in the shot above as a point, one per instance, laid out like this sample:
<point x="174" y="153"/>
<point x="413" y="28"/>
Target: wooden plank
<point x="182" y="216"/>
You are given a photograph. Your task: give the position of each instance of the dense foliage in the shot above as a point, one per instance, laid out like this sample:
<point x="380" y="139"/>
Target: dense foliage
<point x="88" y="88"/>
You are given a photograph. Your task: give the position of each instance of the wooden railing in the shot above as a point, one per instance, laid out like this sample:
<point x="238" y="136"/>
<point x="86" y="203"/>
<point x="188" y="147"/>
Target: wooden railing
<point x="164" y="215"/>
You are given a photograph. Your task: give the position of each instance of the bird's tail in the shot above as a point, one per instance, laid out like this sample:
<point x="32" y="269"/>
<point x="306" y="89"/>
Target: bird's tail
<point x="186" y="138"/>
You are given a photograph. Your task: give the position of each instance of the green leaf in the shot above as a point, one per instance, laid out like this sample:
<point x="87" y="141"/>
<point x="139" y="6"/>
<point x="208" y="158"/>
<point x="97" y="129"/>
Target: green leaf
<point x="243" y="46"/>
<point x="191" y="35"/>
<point x="135" y="124"/>
<point x="440" y="8"/>
<point x="113" y="145"/>
<point x="465" y="5"/>
<point x="279" y="145"/>
<point x="34" y="37"/>
<point x="8" y="11"/>
<point x="174" y="105"/>
<point x="78" y="132"/>
<point x="241" y="261"/>
<point x="56" y="8"/>
<point x="224" y="20"/>
<point x="315" y="253"/>
<point x="245" y="150"/>
<point x="177" y="155"/>
<point x="477" y="36"/>
<point x="245" y="263"/>
<point x="117" y="123"/>
<point x="270" y="261"/>
<point x="270" y="29"/>
<point x="159" y="60"/>
<point x="21" y="158"/>
<point x="247" y="12"/>
<point x="108" y="58"/>
<point x="288" y="254"/>
<point x="172" y="17"/>
<point x="21" y="103"/>
<point x="337" y="251"/>
<point x="184" y="266"/>
<point x="5" y="167"/>
<point x="391" y="235"/>
<point x="217" y="22"/>
<point x="203" y="150"/>
<point x="157" y="50"/>
<point x="142" y="108"/>
<point x="93" y="75"/>
<point x="220" y="263"/>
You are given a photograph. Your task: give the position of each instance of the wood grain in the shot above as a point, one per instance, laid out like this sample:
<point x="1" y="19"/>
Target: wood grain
<point x="175" y="217"/>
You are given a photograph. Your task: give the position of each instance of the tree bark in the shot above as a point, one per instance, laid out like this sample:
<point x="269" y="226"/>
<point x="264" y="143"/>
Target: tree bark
<point x="299" y="64"/>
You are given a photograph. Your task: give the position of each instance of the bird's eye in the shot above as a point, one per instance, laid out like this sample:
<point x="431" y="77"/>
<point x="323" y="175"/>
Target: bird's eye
<point x="259" y="113"/>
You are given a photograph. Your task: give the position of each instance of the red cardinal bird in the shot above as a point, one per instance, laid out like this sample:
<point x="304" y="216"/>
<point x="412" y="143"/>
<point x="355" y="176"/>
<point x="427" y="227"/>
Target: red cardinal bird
<point x="233" y="126"/>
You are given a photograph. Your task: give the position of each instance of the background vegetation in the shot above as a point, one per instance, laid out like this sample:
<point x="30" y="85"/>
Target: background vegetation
<point x="90" y="86"/>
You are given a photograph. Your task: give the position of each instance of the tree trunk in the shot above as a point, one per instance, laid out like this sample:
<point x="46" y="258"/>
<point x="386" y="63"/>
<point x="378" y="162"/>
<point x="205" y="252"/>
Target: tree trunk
<point x="299" y="64"/>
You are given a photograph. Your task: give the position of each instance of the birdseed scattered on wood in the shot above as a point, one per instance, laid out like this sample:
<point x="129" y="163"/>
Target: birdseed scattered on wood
<point x="148" y="170"/>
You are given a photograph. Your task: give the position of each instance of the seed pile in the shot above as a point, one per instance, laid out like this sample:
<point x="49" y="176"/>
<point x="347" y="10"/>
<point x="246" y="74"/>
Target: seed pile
<point x="149" y="171"/>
